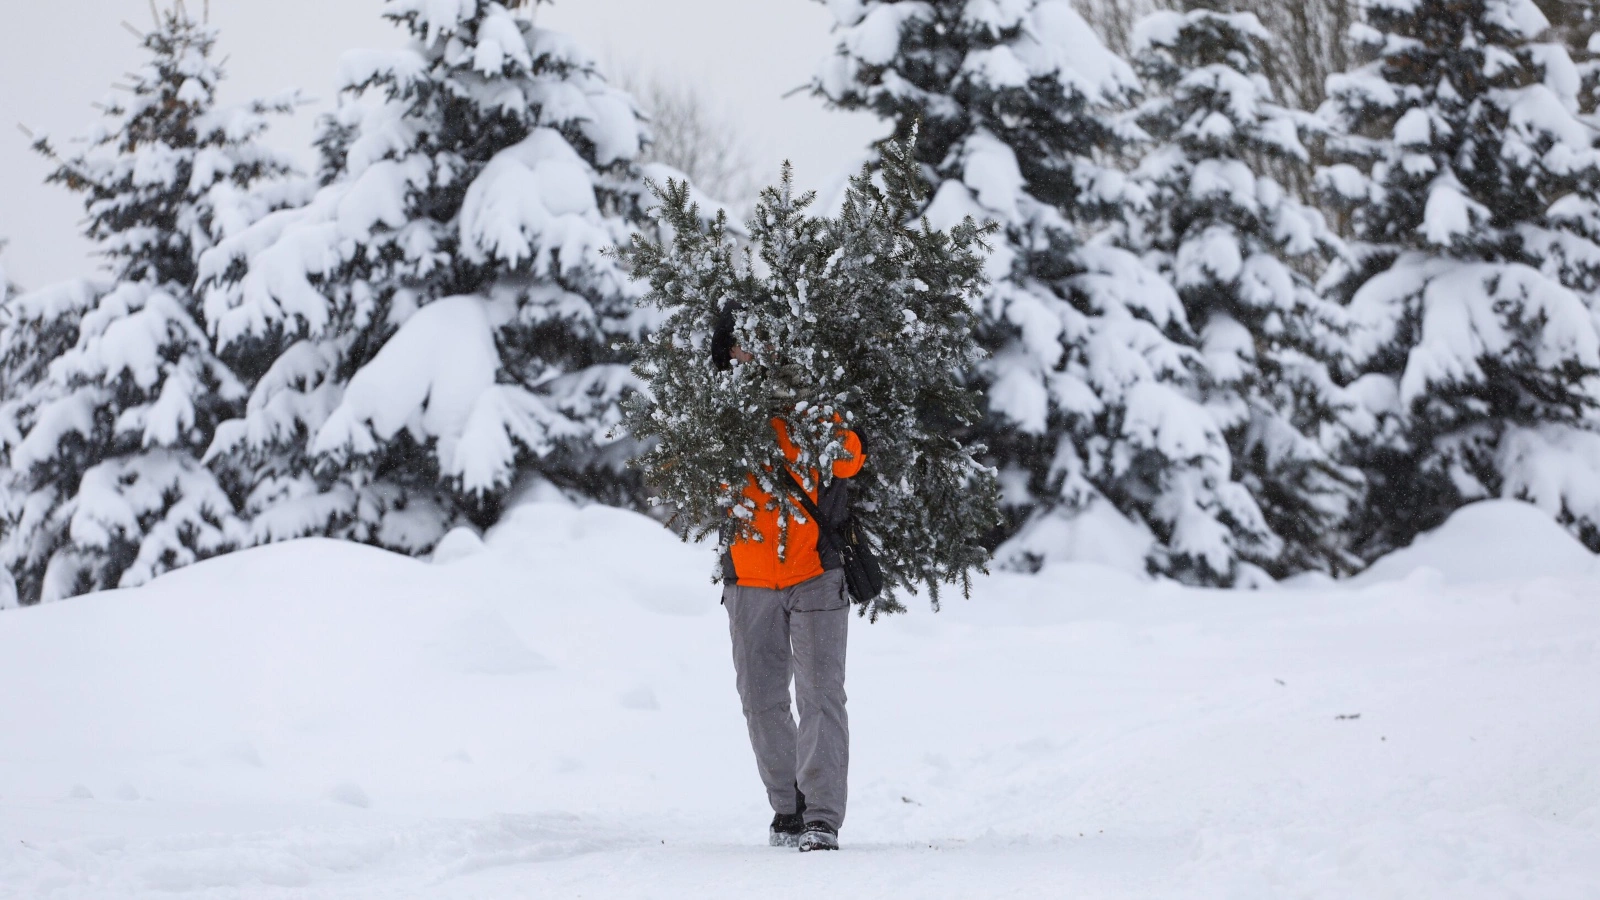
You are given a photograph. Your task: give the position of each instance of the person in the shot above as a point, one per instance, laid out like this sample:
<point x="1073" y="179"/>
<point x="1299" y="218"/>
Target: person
<point x="788" y="615"/>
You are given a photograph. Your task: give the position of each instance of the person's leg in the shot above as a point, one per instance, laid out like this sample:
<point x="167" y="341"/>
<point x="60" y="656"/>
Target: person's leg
<point x="818" y="624"/>
<point x="759" y="626"/>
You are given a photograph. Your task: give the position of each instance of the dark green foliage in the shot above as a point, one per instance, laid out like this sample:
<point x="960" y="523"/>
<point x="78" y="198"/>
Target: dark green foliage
<point x="1237" y="247"/>
<point x="111" y="389"/>
<point x="860" y="318"/>
<point x="1093" y="411"/>
<point x="1470" y="186"/>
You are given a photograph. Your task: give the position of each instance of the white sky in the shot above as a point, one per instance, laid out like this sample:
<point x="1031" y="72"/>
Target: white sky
<point x="62" y="55"/>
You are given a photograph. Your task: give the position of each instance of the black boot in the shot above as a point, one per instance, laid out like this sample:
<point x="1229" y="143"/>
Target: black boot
<point x="787" y="827"/>
<point x="819" y="836"/>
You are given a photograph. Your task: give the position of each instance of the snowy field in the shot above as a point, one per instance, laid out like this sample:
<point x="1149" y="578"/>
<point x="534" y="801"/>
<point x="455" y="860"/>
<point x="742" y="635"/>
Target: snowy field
<point x="551" y="713"/>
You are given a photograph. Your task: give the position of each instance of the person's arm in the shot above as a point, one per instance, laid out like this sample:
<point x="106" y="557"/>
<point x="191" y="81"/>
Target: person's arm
<point x="847" y="468"/>
<point x="842" y="468"/>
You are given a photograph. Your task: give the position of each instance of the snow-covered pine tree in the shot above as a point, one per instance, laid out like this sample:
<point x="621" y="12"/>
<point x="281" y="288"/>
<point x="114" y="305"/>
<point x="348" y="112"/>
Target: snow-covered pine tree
<point x="1590" y="73"/>
<point x="36" y="328"/>
<point x="1461" y="147"/>
<point x="1239" y="250"/>
<point x="10" y="498"/>
<point x="862" y="319"/>
<point x="14" y="362"/>
<point x="1580" y="212"/>
<point x="117" y="392"/>
<point x="1093" y="416"/>
<point x="441" y="317"/>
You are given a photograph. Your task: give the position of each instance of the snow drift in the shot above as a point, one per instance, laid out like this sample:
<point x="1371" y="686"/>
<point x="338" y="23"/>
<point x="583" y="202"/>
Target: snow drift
<point x="551" y="712"/>
<point x="1489" y="541"/>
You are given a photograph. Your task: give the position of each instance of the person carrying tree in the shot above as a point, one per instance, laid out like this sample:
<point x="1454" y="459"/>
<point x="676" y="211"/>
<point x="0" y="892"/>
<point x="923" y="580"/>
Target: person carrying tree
<point x="761" y="382"/>
<point x="789" y="613"/>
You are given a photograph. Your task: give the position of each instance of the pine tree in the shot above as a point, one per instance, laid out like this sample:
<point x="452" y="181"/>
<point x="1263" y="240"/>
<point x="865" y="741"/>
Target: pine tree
<point x="860" y="319"/>
<point x="116" y="390"/>
<point x="1461" y="151"/>
<point x="1590" y="70"/>
<point x="36" y="328"/>
<point x="11" y="366"/>
<point x="441" y="317"/>
<point x="1238" y="248"/>
<point x="1093" y="413"/>
<point x="1580" y="212"/>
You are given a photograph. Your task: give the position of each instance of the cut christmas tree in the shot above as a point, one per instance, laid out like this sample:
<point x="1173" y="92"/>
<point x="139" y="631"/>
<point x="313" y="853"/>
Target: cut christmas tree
<point x="858" y="321"/>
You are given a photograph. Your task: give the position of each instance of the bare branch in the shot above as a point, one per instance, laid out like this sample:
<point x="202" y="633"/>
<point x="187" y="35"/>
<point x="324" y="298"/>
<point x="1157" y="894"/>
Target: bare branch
<point x="689" y="134"/>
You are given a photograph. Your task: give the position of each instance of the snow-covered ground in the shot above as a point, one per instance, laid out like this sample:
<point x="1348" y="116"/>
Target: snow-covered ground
<point x="551" y="714"/>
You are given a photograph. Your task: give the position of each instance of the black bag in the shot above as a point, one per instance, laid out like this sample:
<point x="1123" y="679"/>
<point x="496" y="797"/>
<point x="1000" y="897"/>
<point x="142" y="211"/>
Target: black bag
<point x="862" y="575"/>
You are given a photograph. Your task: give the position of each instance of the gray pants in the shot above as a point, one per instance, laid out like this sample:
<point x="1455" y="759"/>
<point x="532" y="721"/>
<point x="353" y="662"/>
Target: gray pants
<point x="802" y="630"/>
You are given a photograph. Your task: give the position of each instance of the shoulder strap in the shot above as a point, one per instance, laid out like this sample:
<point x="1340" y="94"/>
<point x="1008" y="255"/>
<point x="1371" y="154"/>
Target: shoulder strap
<point x="811" y="510"/>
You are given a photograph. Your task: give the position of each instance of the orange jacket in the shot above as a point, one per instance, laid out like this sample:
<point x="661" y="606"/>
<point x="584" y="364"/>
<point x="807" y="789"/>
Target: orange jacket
<point x="757" y="563"/>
